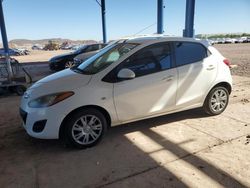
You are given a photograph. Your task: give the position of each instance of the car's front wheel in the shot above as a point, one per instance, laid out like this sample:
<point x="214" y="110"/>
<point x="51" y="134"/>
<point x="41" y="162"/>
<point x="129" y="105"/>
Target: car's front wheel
<point x="85" y="128"/>
<point x="216" y="101"/>
<point x="69" y="64"/>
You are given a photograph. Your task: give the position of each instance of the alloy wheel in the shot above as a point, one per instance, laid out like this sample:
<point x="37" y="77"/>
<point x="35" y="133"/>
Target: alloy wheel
<point x="69" y="64"/>
<point x="87" y="129"/>
<point x="218" y="100"/>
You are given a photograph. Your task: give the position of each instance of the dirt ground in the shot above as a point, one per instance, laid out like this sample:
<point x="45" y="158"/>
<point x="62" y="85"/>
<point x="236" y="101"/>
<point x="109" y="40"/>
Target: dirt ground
<point x="187" y="149"/>
<point x="238" y="54"/>
<point x="39" y="56"/>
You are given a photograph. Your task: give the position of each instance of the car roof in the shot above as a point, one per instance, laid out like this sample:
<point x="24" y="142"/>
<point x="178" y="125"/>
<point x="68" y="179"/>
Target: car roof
<point x="162" y="38"/>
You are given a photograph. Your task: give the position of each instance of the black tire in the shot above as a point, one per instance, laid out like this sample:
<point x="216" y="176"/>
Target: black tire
<point x="69" y="135"/>
<point x="19" y="90"/>
<point x="210" y="106"/>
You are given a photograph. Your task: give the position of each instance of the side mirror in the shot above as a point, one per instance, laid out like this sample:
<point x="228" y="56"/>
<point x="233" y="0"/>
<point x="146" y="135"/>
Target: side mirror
<point x="126" y="74"/>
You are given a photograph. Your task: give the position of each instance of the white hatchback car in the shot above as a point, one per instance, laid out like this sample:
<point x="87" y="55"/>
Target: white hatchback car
<point x="127" y="81"/>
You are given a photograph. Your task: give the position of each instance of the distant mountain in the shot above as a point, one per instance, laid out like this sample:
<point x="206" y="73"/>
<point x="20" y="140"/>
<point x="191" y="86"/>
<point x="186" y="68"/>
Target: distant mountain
<point x="28" y="43"/>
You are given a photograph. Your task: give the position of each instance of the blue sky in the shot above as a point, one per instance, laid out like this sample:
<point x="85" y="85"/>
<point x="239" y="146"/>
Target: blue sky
<point x="81" y="19"/>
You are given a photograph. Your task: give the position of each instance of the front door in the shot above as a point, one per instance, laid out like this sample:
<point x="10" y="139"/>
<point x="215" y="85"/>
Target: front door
<point x="153" y="90"/>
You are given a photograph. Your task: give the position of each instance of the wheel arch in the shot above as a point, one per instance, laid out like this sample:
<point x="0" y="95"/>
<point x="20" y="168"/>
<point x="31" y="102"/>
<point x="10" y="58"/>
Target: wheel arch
<point x="101" y="109"/>
<point x="223" y="84"/>
<point x="207" y="107"/>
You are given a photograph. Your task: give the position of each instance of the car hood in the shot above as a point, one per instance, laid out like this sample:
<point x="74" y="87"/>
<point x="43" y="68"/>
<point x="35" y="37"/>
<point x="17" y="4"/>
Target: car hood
<point x="66" y="80"/>
<point x="68" y="55"/>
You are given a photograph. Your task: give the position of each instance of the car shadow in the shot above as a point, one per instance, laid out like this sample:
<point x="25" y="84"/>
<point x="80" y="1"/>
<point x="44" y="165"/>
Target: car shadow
<point x="161" y="120"/>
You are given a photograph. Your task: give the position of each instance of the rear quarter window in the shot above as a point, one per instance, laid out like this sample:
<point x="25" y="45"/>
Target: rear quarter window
<point x="189" y="52"/>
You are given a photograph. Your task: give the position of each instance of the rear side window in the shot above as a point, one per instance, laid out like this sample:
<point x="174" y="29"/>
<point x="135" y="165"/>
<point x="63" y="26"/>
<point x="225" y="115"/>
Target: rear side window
<point x="188" y="52"/>
<point x="149" y="60"/>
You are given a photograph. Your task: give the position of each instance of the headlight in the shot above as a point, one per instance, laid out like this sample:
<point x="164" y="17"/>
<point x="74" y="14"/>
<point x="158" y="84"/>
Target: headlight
<point x="49" y="100"/>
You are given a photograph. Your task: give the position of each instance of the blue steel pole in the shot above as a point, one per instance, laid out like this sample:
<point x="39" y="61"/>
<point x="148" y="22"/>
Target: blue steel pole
<point x="5" y="41"/>
<point x="3" y="30"/>
<point x="160" y="7"/>
<point x="103" y="21"/>
<point x="189" y="21"/>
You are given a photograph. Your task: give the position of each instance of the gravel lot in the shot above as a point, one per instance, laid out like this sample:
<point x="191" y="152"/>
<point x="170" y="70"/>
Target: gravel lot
<point x="40" y="56"/>
<point x="238" y="54"/>
<point x="187" y="149"/>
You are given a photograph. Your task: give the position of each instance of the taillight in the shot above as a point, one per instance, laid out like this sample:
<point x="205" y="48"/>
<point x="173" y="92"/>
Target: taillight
<point x="227" y="62"/>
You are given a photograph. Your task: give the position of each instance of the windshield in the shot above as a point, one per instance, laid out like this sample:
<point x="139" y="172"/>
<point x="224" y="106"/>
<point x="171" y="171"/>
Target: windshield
<point x="80" y="49"/>
<point x="105" y="57"/>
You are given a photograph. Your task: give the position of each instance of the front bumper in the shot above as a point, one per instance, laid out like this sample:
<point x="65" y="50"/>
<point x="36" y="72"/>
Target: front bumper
<point x="41" y="123"/>
<point x="23" y="115"/>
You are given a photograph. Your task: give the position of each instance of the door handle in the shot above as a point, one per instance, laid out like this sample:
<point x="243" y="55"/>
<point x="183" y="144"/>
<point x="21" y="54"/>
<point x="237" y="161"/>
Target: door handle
<point x="210" y="67"/>
<point x="167" y="78"/>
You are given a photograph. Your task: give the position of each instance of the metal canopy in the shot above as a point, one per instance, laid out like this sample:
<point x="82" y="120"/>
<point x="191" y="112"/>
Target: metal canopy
<point x="103" y="7"/>
<point x="189" y="21"/>
<point x="103" y="12"/>
<point x="5" y="41"/>
<point x="160" y="8"/>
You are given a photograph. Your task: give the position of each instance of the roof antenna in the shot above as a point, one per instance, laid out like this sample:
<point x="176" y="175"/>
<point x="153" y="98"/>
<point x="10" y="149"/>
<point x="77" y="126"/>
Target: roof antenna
<point x="144" y="29"/>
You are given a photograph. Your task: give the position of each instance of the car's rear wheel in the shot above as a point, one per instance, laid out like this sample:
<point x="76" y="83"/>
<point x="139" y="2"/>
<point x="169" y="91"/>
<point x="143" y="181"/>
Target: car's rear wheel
<point x="216" y="101"/>
<point x="69" y="64"/>
<point x="85" y="128"/>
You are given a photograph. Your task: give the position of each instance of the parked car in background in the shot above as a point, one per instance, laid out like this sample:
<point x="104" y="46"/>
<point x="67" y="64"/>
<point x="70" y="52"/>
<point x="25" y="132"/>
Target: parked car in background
<point x="36" y="47"/>
<point x="12" y="52"/>
<point x="67" y="60"/>
<point x="83" y="57"/>
<point x="127" y="81"/>
<point x="22" y="51"/>
<point x="215" y="41"/>
<point x="221" y="40"/>
<point x="234" y="40"/>
<point x="76" y="47"/>
<point x="243" y="40"/>
<point x="210" y="41"/>
<point x="66" y="46"/>
<point x="230" y="40"/>
<point x="237" y="40"/>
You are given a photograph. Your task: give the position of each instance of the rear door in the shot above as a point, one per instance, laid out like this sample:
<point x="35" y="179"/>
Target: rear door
<point x="153" y="90"/>
<point x="196" y="72"/>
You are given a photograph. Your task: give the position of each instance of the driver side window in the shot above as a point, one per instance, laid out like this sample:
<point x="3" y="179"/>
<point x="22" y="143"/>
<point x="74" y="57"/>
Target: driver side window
<point x="151" y="59"/>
